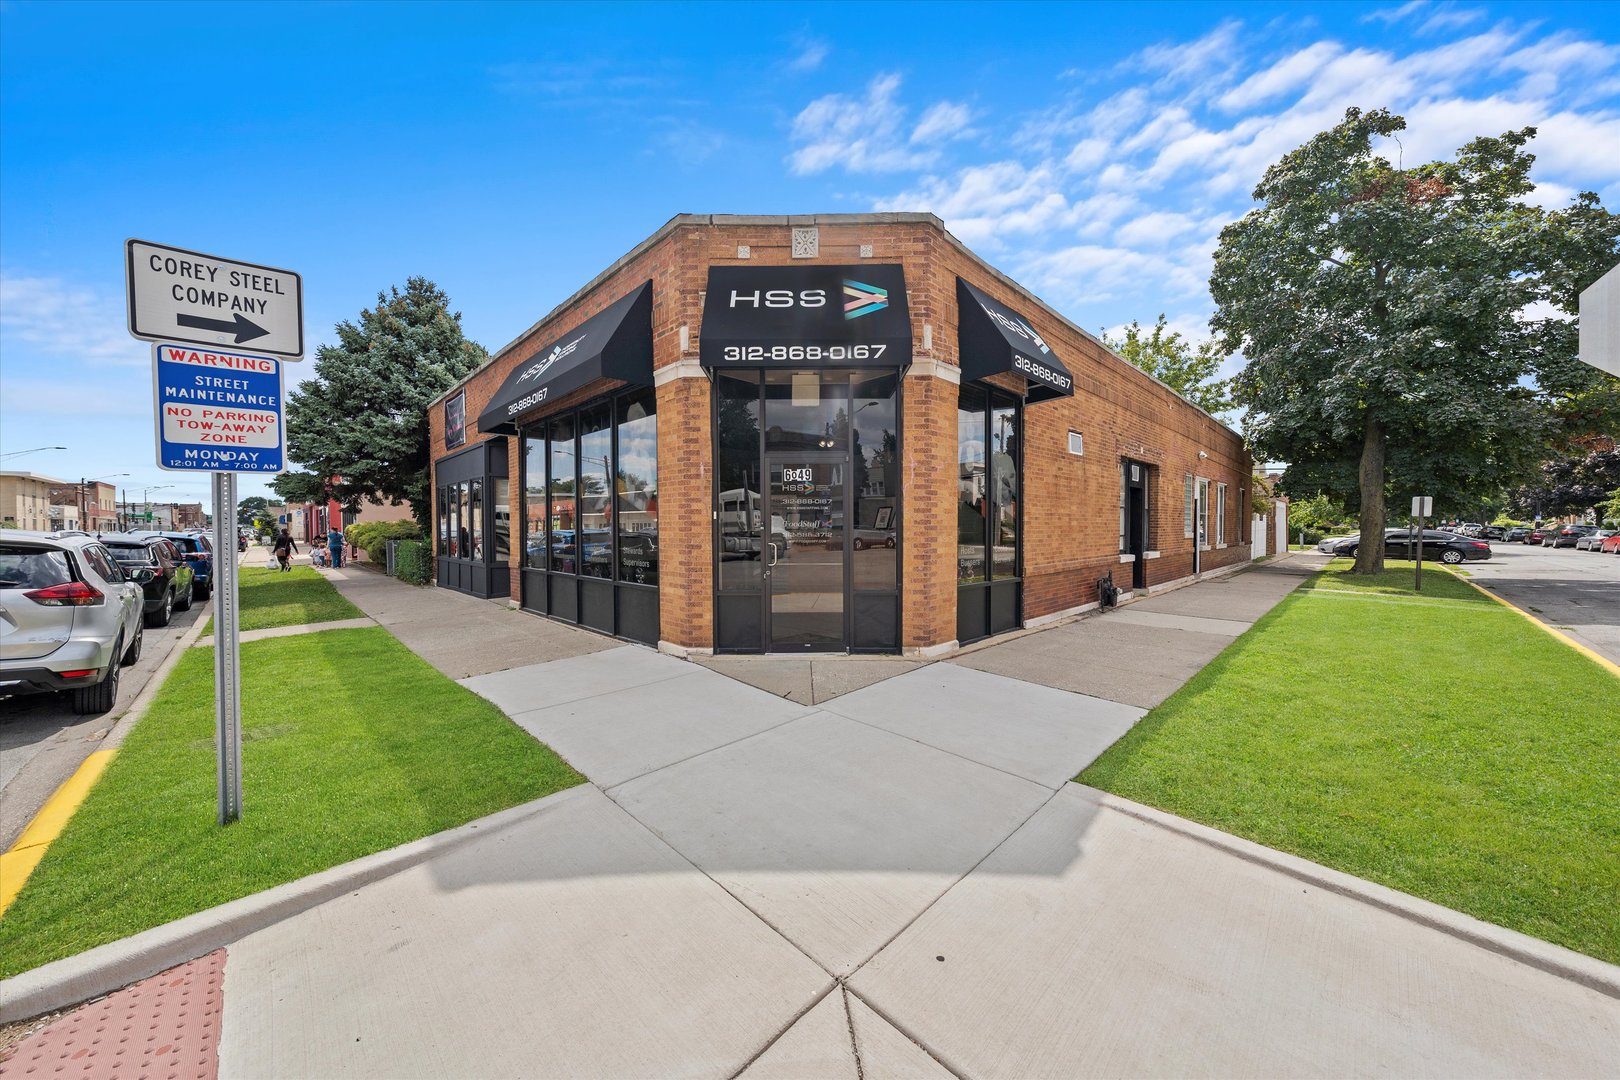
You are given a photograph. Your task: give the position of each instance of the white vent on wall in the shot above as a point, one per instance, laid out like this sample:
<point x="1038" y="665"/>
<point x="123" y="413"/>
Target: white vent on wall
<point x="1077" y="444"/>
<point x="743" y="251"/>
<point x="806" y="243"/>
<point x="866" y="251"/>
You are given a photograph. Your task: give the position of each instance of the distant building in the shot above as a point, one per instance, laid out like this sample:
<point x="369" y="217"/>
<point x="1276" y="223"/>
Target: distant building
<point x="25" y="500"/>
<point x="64" y="516"/>
<point x="95" y="504"/>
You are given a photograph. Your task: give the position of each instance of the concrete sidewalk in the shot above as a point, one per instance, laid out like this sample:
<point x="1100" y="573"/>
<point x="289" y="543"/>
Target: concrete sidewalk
<point x="896" y="881"/>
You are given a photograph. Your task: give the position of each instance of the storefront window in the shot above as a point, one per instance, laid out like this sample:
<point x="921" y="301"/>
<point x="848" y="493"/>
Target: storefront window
<point x="806" y="410"/>
<point x="637" y="488"/>
<point x="444" y="521"/>
<point x="877" y="483"/>
<point x="596" y="493"/>
<point x="454" y="493"/>
<point x="464" y="549"/>
<point x="534" y="501"/>
<point x="972" y="487"/>
<point x="503" y="519"/>
<point x="989" y="472"/>
<point x="740" y="504"/>
<point x="1004" y="454"/>
<point x="475" y="519"/>
<point x="561" y="512"/>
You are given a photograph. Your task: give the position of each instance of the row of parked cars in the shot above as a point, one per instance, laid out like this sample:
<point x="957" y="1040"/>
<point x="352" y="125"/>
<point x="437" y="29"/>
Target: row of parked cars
<point x="1579" y="537"/>
<point x="74" y="606"/>
<point x="1438" y="545"/>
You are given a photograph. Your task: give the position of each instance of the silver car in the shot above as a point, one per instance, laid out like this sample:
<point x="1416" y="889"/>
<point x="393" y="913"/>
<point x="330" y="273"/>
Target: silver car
<point x="69" y="618"/>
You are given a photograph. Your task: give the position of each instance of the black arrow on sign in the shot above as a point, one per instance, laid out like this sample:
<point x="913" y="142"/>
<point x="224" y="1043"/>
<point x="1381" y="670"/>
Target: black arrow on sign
<point x="242" y="328"/>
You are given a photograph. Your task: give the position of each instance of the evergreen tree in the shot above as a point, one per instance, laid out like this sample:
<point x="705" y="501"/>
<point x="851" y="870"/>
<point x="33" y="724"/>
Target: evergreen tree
<point x="361" y="422"/>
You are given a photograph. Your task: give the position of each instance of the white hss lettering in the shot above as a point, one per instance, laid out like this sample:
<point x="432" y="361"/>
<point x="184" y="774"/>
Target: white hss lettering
<point x="780" y="298"/>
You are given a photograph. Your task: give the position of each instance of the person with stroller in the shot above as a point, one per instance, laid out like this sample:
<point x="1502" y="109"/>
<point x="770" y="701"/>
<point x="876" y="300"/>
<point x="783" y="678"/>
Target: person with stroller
<point x="284" y="548"/>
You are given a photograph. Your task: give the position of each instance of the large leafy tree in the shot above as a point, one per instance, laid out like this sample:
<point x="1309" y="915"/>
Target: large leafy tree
<point x="361" y="422"/>
<point x="1187" y="368"/>
<point x="1380" y="311"/>
<point x="250" y="509"/>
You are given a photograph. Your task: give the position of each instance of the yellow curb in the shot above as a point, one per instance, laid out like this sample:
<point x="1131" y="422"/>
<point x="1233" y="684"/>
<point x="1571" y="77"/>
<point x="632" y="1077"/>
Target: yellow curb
<point x="18" y="863"/>
<point x="1602" y="661"/>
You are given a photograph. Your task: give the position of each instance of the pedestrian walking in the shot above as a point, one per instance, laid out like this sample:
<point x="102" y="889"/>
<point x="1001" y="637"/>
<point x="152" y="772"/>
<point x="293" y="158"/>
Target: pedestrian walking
<point x="334" y="545"/>
<point x="284" y="548"/>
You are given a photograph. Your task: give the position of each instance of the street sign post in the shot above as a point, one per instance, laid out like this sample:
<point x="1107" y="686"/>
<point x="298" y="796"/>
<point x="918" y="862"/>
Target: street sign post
<point x="190" y="298"/>
<point x="217" y="410"/>
<point x="1422" y="507"/>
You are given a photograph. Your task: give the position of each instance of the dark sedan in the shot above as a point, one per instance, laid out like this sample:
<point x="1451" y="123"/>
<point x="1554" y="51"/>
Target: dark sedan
<point x="1437" y="546"/>
<point x="1516" y="535"/>
<point x="1566" y="536"/>
<point x="198" y="550"/>
<point x="169" y="588"/>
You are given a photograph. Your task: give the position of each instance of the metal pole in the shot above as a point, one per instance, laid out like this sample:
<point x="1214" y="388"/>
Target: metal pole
<point x="227" y="652"/>
<point x="1418" y="568"/>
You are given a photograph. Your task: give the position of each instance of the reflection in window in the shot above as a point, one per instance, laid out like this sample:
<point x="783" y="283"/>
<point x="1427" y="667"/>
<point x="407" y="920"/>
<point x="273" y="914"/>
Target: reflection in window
<point x="444" y="521"/>
<point x="972" y="487"/>
<point x="1004" y="452"/>
<point x="739" y="508"/>
<point x="637" y="487"/>
<point x="596" y="493"/>
<point x="503" y="519"/>
<point x="876" y="456"/>
<point x="561" y="512"/>
<point x="534" y="501"/>
<point x="806" y="410"/>
<point x="475" y="519"/>
<point x="989" y="473"/>
<point x="454" y="493"/>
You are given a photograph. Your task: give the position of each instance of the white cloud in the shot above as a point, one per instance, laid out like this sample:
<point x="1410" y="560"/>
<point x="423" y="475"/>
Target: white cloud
<point x="67" y="320"/>
<point x="857" y="134"/>
<point x="1290" y="73"/>
<point x="809" y="54"/>
<point x="986" y="202"/>
<point x="943" y="121"/>
<point x="1154" y="229"/>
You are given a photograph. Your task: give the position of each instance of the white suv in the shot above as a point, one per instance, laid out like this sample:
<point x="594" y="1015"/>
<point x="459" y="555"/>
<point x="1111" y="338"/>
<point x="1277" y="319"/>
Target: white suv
<point x="69" y="617"/>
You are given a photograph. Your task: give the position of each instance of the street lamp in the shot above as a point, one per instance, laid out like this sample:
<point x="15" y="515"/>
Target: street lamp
<point x="35" y="450"/>
<point x="84" y="496"/>
<point x="146" y="507"/>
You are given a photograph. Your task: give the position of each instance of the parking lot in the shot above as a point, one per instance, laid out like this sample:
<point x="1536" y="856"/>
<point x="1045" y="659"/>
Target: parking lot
<point x="42" y="742"/>
<point x="1576" y="591"/>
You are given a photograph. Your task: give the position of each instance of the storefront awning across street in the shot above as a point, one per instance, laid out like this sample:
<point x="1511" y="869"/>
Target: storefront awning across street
<point x="994" y="338"/>
<point x="615" y="343"/>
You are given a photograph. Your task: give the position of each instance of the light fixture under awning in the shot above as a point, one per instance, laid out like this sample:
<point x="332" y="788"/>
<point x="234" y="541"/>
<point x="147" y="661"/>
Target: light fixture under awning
<point x="994" y="338"/>
<point x="615" y="343"/>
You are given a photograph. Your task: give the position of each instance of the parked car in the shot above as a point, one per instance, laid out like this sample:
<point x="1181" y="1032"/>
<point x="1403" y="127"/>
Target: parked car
<point x="1538" y="535"/>
<point x="1612" y="544"/>
<point x="198" y="550"/>
<point x="1516" y="535"/>
<point x="1566" y="536"/>
<point x="1593" y="541"/>
<point x="1492" y="532"/>
<point x="72" y="618"/>
<point x="168" y="589"/>
<point x="1438" y="546"/>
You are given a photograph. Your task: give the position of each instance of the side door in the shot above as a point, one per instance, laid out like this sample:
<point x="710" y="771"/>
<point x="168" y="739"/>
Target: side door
<point x="130" y="594"/>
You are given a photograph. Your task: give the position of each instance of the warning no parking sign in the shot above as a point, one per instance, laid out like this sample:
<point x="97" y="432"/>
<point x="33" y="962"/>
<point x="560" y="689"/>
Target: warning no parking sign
<point x="217" y="411"/>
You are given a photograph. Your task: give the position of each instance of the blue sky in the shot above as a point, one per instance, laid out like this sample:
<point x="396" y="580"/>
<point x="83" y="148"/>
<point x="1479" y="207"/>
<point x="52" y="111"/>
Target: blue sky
<point x="511" y="152"/>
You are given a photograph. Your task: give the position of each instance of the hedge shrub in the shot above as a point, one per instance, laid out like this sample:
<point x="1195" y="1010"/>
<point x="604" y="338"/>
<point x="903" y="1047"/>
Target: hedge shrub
<point x="413" y="562"/>
<point x="372" y="537"/>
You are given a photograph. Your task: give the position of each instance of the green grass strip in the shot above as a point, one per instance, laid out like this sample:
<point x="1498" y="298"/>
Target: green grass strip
<point x="270" y="597"/>
<point x="351" y="744"/>
<point x="1449" y="750"/>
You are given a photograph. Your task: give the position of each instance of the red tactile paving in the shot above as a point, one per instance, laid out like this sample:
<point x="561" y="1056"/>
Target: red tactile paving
<point x="165" y="1028"/>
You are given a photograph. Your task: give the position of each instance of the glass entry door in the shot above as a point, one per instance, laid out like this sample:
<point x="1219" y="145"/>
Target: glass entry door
<point x="803" y="546"/>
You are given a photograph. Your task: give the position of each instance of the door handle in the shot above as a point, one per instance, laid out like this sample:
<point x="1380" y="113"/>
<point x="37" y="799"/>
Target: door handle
<point x="773" y="554"/>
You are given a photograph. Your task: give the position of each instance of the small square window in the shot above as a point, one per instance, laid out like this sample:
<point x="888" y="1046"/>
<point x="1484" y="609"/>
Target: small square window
<point x="1077" y="445"/>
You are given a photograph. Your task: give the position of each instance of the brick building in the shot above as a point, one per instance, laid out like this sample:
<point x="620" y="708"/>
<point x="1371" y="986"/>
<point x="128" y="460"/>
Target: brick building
<point x="834" y="432"/>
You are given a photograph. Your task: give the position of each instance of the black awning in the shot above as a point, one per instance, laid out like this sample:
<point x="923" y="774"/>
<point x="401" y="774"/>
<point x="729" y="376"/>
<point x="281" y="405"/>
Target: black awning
<point x="805" y="316"/>
<point x="994" y="338"/>
<point x="615" y="343"/>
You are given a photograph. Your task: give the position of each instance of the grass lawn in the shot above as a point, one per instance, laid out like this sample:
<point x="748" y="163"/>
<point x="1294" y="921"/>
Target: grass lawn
<point x="351" y="744"/>
<point x="272" y="598"/>
<point x="1436" y="743"/>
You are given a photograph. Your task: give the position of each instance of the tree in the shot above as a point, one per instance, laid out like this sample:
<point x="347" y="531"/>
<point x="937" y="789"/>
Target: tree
<point x="1379" y="310"/>
<point x="296" y="487"/>
<point x="362" y="420"/>
<point x="251" y="507"/>
<point x="1570" y="485"/>
<point x="1186" y="368"/>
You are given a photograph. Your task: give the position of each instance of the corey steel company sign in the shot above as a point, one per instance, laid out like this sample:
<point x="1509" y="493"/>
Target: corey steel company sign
<point x="186" y="297"/>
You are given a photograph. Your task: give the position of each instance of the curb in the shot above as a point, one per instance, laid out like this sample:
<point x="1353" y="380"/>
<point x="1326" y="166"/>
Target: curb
<point x="1602" y="661"/>
<point x="112" y="966"/>
<point x="1590" y="972"/>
